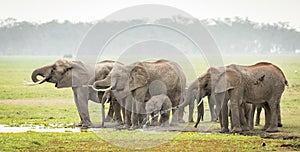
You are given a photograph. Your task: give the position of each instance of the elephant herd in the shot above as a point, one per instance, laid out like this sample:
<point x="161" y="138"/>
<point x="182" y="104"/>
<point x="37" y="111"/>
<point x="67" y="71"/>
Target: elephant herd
<point x="142" y="92"/>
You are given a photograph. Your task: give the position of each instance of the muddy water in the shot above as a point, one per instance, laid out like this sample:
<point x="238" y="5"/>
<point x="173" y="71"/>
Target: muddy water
<point x="35" y="128"/>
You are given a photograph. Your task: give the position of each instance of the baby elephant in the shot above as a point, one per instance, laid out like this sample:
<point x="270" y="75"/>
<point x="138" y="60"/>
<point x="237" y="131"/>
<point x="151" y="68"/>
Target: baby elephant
<point x="159" y="105"/>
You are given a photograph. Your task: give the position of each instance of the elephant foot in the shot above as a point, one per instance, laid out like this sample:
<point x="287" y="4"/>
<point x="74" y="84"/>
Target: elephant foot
<point x="181" y="121"/>
<point x="174" y="124"/>
<point x="165" y="125"/>
<point x="245" y="128"/>
<point x="84" y="125"/>
<point x="79" y="124"/>
<point x="224" y="130"/>
<point x="191" y="120"/>
<point x="265" y="128"/>
<point x="251" y="128"/>
<point x="279" y="124"/>
<point x="133" y="127"/>
<point x="236" y="130"/>
<point x="272" y="129"/>
<point x="126" y="126"/>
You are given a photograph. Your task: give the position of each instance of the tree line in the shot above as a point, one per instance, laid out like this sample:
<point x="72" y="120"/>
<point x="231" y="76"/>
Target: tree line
<point x="232" y="35"/>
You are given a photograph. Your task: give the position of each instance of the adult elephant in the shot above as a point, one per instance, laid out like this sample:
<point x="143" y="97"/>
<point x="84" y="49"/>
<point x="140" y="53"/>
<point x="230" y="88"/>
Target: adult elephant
<point x="77" y="75"/>
<point x="133" y="81"/>
<point x="192" y="93"/>
<point x="262" y="83"/>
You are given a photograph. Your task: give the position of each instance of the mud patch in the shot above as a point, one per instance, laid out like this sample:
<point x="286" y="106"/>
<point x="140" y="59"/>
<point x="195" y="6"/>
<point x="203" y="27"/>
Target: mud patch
<point x="263" y="134"/>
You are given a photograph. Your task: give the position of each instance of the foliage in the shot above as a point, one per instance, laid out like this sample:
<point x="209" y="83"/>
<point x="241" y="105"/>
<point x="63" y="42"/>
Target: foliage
<point x="232" y="35"/>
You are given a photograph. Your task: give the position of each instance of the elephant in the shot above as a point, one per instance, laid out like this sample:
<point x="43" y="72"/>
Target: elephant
<point x="130" y="85"/>
<point x="77" y="75"/>
<point x="159" y="104"/>
<point x="191" y="95"/>
<point x="262" y="83"/>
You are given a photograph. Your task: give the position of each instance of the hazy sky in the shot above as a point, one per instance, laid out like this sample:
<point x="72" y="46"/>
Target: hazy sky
<point x="267" y="11"/>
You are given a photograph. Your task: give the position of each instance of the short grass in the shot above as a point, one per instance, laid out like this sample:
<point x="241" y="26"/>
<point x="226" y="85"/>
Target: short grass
<point x="45" y="105"/>
<point x="89" y="141"/>
<point x="15" y="70"/>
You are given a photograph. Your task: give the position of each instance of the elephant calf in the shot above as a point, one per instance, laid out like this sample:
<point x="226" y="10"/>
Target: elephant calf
<point x="159" y="104"/>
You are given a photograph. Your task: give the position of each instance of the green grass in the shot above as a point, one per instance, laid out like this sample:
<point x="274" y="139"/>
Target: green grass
<point x="15" y="70"/>
<point x="45" y="105"/>
<point x="89" y="141"/>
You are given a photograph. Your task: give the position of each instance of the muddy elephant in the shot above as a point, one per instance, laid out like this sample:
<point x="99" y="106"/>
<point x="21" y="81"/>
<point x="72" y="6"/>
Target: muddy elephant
<point x="75" y="74"/>
<point x="262" y="83"/>
<point x="130" y="85"/>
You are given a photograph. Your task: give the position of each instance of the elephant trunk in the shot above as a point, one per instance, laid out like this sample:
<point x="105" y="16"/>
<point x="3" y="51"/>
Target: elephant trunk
<point x="102" y="83"/>
<point x="44" y="72"/>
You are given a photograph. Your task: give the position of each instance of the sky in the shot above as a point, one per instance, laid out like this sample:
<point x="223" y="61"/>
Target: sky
<point x="266" y="11"/>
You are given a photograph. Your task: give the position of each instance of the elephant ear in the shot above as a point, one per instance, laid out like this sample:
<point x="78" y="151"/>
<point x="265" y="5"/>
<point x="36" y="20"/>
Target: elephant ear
<point x="229" y="79"/>
<point x="139" y="77"/>
<point x="66" y="80"/>
<point x="80" y="74"/>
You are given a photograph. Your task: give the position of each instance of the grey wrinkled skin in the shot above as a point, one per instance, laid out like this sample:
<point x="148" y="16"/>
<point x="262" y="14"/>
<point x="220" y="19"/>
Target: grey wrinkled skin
<point x="159" y="104"/>
<point x="78" y="76"/>
<point x="262" y="83"/>
<point x="130" y="85"/>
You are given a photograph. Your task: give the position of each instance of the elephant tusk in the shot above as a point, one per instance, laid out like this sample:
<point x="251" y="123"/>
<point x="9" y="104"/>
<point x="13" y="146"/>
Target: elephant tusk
<point x="34" y="83"/>
<point x="98" y="90"/>
<point x="199" y="103"/>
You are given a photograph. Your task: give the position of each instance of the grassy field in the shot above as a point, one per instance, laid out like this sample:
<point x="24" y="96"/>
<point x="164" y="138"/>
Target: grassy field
<point x="46" y="105"/>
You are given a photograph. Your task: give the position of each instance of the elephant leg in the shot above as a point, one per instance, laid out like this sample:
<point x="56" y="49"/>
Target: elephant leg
<point x="154" y="120"/>
<point x="81" y="101"/>
<point x="191" y="111"/>
<point x="222" y="103"/>
<point x="279" y="113"/>
<point x="142" y="115"/>
<point x="274" y="117"/>
<point x="211" y="103"/>
<point x="234" y="104"/>
<point x="103" y="113"/>
<point x="174" y="120"/>
<point x="117" y="111"/>
<point x="128" y="108"/>
<point x="138" y="106"/>
<point x="267" y="115"/>
<point x="257" y="121"/>
<point x="110" y="113"/>
<point x="243" y="117"/>
<point x="134" y="116"/>
<point x="251" y="121"/>
<point x="180" y="115"/>
<point x="164" y="119"/>
<point x="218" y="109"/>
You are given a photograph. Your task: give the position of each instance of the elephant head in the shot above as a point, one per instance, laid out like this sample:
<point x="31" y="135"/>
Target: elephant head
<point x="218" y="80"/>
<point x="213" y="82"/>
<point x="124" y="79"/>
<point x="63" y="73"/>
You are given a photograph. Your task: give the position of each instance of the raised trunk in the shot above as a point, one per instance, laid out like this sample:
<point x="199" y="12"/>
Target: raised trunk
<point x="44" y="72"/>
